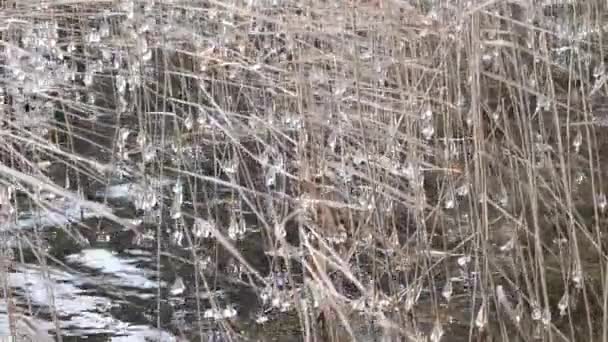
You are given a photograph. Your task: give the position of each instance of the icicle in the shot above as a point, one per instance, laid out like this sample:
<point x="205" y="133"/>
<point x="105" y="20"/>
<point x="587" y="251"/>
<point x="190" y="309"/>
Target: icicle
<point x="202" y="228"/>
<point x="279" y="231"/>
<point x="271" y="175"/>
<point x="602" y="202"/>
<point x="178" y="287"/>
<point x="189" y="122"/>
<point x="577" y="142"/>
<point x="563" y="303"/>
<point x="481" y="320"/>
<point x="447" y="290"/>
<point x="437" y="332"/>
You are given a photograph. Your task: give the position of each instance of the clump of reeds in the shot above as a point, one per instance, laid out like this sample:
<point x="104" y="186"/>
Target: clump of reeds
<point x="427" y="166"/>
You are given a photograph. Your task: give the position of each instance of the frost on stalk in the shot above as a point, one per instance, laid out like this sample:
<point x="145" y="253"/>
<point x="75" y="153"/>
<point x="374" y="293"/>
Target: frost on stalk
<point x="447" y="290"/>
<point x="563" y="303"/>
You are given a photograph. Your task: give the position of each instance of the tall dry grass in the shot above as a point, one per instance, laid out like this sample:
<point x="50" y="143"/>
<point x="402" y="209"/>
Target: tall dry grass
<point x="416" y="169"/>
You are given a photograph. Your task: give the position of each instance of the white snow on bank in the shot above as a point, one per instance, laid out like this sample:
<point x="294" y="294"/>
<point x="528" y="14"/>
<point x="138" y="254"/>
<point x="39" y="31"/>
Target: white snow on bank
<point x="34" y="328"/>
<point x="56" y="288"/>
<point x="117" y="271"/>
<point x="80" y="313"/>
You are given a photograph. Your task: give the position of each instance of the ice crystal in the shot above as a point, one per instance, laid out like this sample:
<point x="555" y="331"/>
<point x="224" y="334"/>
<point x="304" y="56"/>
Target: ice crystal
<point x="481" y="319"/>
<point x="602" y="202"/>
<point x="261" y="319"/>
<point x="578" y="140"/>
<point x="177" y="237"/>
<point x="563" y="304"/>
<point x="447" y="290"/>
<point x="144" y="198"/>
<point x="536" y="312"/>
<point x="178" y="287"/>
<point x="271" y="175"/>
<point x="279" y="231"/>
<point x="437" y="332"/>
<point x="203" y="229"/>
